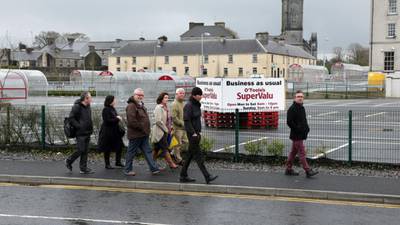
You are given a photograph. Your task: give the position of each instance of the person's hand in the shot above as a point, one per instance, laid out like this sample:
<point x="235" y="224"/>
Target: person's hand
<point x="119" y="117"/>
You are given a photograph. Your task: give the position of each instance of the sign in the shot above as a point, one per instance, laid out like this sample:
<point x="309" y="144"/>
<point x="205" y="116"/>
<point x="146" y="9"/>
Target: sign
<point x="245" y="94"/>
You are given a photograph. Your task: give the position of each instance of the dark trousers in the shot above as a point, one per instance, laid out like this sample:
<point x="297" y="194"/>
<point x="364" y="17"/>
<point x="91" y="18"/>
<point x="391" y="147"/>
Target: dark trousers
<point x="194" y="152"/>
<point x="117" y="157"/>
<point x="297" y="148"/>
<point x="82" y="148"/>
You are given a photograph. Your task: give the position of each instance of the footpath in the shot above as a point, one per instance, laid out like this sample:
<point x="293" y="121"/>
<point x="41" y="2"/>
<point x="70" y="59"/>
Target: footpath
<point x="322" y="186"/>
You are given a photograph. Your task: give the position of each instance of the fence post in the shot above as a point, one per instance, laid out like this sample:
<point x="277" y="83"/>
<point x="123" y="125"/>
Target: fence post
<point x="237" y="123"/>
<point x="293" y="89"/>
<point x="326" y="90"/>
<point x="346" y="97"/>
<point x="43" y="125"/>
<point x="8" y="125"/>
<point x="350" y="137"/>
<point x="366" y="89"/>
<point x="307" y="90"/>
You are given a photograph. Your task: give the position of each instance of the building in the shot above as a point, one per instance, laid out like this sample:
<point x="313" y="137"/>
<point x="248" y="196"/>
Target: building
<point x="384" y="42"/>
<point x="211" y="57"/>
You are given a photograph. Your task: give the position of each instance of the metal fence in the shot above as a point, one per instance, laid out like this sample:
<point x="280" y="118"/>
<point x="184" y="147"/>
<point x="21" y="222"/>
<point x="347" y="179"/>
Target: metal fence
<point x="367" y="135"/>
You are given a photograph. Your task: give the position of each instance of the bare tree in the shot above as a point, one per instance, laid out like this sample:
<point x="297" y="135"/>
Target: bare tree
<point x="44" y="37"/>
<point x="358" y="54"/>
<point x="339" y="53"/>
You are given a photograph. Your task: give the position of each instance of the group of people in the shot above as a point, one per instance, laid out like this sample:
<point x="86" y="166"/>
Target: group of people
<point x="182" y="121"/>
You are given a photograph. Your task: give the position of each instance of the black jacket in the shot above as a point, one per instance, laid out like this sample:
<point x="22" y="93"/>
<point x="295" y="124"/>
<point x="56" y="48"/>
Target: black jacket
<point x="110" y="136"/>
<point x="297" y="121"/>
<point x="81" y="119"/>
<point x="192" y="117"/>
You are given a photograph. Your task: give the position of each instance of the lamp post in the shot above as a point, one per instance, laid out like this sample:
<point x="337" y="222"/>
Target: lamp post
<point x="202" y="51"/>
<point x="155" y="55"/>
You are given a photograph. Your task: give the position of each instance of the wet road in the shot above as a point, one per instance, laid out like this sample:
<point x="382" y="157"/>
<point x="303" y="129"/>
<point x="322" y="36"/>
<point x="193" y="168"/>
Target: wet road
<point x="80" y="205"/>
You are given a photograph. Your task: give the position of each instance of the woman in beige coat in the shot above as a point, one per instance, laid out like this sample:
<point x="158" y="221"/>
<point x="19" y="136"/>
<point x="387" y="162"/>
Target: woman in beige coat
<point x="161" y="129"/>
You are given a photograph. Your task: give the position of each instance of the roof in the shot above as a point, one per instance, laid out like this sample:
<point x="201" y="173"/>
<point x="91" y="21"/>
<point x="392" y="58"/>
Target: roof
<point x="214" y="31"/>
<point x="285" y="49"/>
<point x="24" y="56"/>
<point x="192" y="47"/>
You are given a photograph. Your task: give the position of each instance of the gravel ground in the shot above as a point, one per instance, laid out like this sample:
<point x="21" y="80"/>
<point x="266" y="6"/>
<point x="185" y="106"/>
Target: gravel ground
<point x="386" y="171"/>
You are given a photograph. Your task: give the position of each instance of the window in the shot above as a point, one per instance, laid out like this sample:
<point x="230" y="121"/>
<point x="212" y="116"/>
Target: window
<point x="166" y="59"/>
<point x="205" y="59"/>
<point x="272" y="72"/>
<point x="225" y="72"/>
<point x="255" y="58"/>
<point x="174" y="69"/>
<point x="230" y="58"/>
<point x="254" y="70"/>
<point x="186" y="70"/>
<point x="392" y="6"/>
<point x="118" y="69"/>
<point x="279" y="72"/>
<point x="76" y="63"/>
<point x="272" y="58"/>
<point x="205" y="72"/>
<point x="145" y="68"/>
<point x="134" y="60"/>
<point x="159" y="68"/>
<point x="283" y="73"/>
<point x="185" y="59"/>
<point x="240" y="72"/>
<point x="133" y="69"/>
<point x="391" y="30"/>
<point x="118" y="60"/>
<point x="389" y="61"/>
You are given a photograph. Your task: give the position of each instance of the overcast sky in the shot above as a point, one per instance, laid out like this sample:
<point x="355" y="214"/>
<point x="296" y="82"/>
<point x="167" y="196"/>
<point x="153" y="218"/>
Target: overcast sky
<point x="337" y="22"/>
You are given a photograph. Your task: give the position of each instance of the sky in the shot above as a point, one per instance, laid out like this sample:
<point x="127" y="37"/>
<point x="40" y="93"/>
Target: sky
<point x="337" y="22"/>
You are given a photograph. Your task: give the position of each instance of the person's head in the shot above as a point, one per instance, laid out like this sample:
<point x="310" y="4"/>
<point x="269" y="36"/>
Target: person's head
<point x="110" y="101"/>
<point x="163" y="98"/>
<point x="138" y="94"/>
<point x="180" y="94"/>
<point x="86" y="98"/>
<point x="197" y="93"/>
<point x="299" y="97"/>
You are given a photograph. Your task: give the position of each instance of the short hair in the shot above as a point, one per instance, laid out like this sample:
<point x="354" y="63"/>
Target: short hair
<point x="137" y="90"/>
<point x="179" y="90"/>
<point x="299" y="92"/>
<point x="84" y="95"/>
<point x="161" y="97"/>
<point x="109" y="99"/>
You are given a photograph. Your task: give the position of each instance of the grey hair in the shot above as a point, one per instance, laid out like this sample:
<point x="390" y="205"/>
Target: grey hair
<point x="137" y="90"/>
<point x="179" y="90"/>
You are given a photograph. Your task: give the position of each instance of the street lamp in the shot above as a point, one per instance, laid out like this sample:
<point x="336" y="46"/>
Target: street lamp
<point x="324" y="57"/>
<point x="155" y="54"/>
<point x="202" y="51"/>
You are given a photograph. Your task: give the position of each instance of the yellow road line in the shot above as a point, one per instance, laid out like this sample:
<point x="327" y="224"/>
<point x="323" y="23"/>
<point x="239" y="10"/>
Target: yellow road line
<point x="218" y="195"/>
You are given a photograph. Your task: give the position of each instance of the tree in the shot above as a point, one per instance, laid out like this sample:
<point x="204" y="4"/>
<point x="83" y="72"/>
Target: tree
<point x="45" y="38"/>
<point x="358" y="54"/>
<point x="76" y="36"/>
<point x="338" y="54"/>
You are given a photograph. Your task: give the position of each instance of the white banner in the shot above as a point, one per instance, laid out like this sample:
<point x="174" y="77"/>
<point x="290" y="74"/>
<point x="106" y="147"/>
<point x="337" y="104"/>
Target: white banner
<point x="245" y="94"/>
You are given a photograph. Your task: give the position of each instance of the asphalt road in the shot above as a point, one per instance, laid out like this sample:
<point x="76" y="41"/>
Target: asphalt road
<point x="89" y="205"/>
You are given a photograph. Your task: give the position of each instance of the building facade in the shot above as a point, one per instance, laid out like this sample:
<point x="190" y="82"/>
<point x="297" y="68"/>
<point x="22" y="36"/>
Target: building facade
<point x="384" y="42"/>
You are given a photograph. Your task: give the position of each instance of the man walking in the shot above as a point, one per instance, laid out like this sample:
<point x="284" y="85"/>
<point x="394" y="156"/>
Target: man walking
<point x="138" y="124"/>
<point x="178" y="124"/>
<point x="297" y="121"/>
<point x="192" y="122"/>
<point x="81" y="119"/>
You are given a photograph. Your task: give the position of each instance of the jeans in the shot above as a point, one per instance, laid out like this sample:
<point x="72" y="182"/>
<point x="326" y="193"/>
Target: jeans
<point x="196" y="154"/>
<point x="135" y="144"/>
<point x="297" y="148"/>
<point x="82" y="147"/>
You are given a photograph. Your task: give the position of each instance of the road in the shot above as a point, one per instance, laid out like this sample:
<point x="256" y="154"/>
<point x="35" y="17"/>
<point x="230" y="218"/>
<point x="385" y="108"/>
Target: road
<point x="93" y="205"/>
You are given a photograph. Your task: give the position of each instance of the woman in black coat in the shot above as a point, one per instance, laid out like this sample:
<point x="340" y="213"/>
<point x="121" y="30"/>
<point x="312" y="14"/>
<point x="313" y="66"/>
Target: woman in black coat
<point x="110" y="136"/>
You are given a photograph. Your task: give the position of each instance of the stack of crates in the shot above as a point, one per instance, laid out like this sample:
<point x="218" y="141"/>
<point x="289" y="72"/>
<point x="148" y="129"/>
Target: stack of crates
<point x="219" y="120"/>
<point x="246" y="120"/>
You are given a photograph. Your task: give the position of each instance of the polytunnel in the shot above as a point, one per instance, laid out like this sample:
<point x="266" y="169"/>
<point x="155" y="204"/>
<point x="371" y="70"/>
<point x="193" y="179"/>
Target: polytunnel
<point x="20" y="84"/>
<point x="347" y="72"/>
<point x="307" y="73"/>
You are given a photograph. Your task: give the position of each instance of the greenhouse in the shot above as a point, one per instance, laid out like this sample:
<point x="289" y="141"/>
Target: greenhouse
<point x="348" y="72"/>
<point x="20" y="84"/>
<point x="307" y="73"/>
<point x="122" y="84"/>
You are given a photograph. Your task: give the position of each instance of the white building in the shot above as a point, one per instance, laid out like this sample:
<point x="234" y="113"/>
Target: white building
<point x="385" y="36"/>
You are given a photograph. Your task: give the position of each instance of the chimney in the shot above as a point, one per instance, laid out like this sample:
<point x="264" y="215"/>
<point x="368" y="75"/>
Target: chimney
<point x="29" y="50"/>
<point x="142" y="39"/>
<point x="220" y="24"/>
<point x="263" y="37"/>
<point x="51" y="40"/>
<point x="194" y="24"/>
<point x="70" y="41"/>
<point x="118" y="40"/>
<point x="92" y="48"/>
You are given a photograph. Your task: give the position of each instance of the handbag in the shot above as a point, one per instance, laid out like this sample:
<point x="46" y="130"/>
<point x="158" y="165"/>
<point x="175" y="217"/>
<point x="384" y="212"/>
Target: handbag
<point x="121" y="130"/>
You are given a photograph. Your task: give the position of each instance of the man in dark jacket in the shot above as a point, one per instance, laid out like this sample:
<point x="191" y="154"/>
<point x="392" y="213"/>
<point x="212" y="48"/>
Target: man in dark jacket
<point x="192" y="122"/>
<point x="297" y="121"/>
<point x="81" y="119"/>
<point x="138" y="124"/>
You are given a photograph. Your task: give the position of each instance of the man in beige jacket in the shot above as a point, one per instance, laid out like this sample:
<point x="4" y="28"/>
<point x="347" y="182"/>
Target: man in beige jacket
<point x="178" y="124"/>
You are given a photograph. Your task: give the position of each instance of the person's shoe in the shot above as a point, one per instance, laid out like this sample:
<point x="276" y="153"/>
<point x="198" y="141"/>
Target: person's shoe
<point x="291" y="173"/>
<point x="186" y="179"/>
<point x="211" y="178"/>
<point x="119" y="164"/>
<point x="109" y="167"/>
<point x="86" y="171"/>
<point x="310" y="173"/>
<point x="68" y="165"/>
<point x="155" y="172"/>
<point x="131" y="173"/>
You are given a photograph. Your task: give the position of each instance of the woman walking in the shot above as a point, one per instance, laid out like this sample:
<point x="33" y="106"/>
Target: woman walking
<point x="110" y="136"/>
<point x="162" y="129"/>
